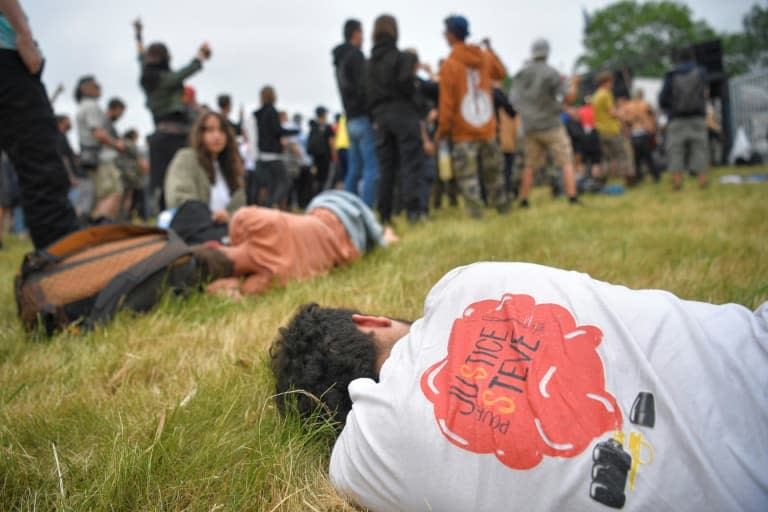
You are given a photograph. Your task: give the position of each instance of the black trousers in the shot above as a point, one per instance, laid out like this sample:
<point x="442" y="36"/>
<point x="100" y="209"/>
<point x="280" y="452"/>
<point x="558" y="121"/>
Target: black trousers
<point x="28" y="134"/>
<point x="273" y="175"/>
<point x="323" y="167"/>
<point x="302" y="186"/>
<point x="162" y="148"/>
<point x="400" y="151"/>
<point x="641" y="147"/>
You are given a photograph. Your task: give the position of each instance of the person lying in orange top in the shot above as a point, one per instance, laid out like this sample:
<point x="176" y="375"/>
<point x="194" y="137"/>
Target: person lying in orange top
<point x="269" y="246"/>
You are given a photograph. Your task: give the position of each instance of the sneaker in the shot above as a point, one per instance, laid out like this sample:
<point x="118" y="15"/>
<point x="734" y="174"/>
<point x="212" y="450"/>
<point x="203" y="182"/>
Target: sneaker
<point x="524" y="203"/>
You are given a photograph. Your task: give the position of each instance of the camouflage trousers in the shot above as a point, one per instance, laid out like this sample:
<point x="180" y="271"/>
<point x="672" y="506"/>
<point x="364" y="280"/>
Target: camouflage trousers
<point x="475" y="162"/>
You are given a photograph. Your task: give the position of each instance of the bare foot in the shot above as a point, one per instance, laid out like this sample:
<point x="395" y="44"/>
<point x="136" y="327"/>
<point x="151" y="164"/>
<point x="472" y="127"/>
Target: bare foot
<point x="389" y="235"/>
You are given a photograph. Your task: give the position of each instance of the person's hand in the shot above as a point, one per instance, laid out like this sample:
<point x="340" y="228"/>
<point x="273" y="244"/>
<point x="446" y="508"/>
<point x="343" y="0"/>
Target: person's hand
<point x="221" y="216"/>
<point x="204" y="53"/>
<point x="120" y="145"/>
<point x="226" y="287"/>
<point x="137" y="26"/>
<point x="29" y="53"/>
<point x="429" y="148"/>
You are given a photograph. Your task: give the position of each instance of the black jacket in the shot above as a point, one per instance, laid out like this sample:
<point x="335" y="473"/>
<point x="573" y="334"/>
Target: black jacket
<point x="350" y="71"/>
<point x="390" y="79"/>
<point x="270" y="130"/>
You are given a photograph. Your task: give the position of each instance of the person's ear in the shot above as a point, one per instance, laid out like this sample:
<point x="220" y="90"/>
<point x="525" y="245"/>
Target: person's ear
<point x="371" y="321"/>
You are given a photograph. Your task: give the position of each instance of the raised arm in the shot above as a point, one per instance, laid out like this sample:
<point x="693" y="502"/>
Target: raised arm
<point x="178" y="77"/>
<point x="138" y="29"/>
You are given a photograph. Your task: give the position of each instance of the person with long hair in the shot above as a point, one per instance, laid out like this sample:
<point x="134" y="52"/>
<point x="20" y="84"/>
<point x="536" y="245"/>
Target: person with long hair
<point x="209" y="170"/>
<point x="391" y="86"/>
<point x="164" y="90"/>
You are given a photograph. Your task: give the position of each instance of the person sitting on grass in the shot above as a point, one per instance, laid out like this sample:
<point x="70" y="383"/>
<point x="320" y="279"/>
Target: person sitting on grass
<point x="210" y="170"/>
<point x="544" y="388"/>
<point x="269" y="246"/>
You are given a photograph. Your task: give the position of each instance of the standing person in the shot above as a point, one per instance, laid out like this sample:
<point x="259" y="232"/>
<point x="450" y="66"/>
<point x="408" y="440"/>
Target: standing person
<point x="363" y="163"/>
<point x="539" y="96"/>
<point x="164" y="90"/>
<point x="684" y="98"/>
<point x="341" y="149"/>
<point x="303" y="183"/>
<point x="608" y="124"/>
<point x="80" y="190"/>
<point x="591" y="156"/>
<point x="641" y="119"/>
<point x="467" y="117"/>
<point x="133" y="168"/>
<point x="270" y="168"/>
<point x="320" y="147"/>
<point x="99" y="146"/>
<point x="509" y="126"/>
<point x="224" y="101"/>
<point x="391" y="84"/>
<point x="28" y="131"/>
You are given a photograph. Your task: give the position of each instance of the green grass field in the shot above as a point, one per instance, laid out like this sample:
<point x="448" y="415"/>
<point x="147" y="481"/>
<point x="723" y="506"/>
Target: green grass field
<point x="172" y="410"/>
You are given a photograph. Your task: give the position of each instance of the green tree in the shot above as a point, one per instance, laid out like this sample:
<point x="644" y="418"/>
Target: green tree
<point x="747" y="49"/>
<point x="640" y="35"/>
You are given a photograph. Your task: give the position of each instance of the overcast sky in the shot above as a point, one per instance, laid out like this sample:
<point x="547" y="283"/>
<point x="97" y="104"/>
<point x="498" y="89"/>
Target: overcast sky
<point x="287" y="43"/>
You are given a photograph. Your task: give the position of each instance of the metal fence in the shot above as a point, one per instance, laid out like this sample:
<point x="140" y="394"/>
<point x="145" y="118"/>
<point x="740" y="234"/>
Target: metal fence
<point x="749" y="109"/>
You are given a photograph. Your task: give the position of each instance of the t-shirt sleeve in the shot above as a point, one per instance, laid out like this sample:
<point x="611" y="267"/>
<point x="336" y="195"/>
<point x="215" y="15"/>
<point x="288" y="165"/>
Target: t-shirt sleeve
<point x="93" y="117"/>
<point x="357" y="470"/>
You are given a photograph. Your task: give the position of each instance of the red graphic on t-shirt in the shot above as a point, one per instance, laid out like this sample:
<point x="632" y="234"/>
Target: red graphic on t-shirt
<point x="521" y="380"/>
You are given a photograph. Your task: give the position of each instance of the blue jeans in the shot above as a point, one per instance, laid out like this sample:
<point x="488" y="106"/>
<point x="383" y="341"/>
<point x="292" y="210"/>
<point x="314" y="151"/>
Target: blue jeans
<point x="361" y="159"/>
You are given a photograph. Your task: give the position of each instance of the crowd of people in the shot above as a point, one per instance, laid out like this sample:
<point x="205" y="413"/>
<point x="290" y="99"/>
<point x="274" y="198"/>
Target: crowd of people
<point x="407" y="137"/>
<point x="495" y="396"/>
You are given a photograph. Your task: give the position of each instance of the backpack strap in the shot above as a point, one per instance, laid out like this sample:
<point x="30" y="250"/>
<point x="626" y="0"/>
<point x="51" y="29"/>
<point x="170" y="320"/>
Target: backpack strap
<point x="109" y="299"/>
<point x="36" y="261"/>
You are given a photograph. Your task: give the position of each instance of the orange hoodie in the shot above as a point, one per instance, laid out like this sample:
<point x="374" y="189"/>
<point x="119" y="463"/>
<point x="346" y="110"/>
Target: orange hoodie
<point x="466" y="100"/>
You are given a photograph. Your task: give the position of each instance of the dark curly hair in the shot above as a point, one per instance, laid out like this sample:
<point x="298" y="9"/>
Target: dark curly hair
<point x="320" y="352"/>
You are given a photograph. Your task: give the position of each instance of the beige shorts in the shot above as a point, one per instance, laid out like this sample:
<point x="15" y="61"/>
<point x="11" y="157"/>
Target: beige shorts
<point x="555" y="140"/>
<point x="106" y="180"/>
<point x="614" y="150"/>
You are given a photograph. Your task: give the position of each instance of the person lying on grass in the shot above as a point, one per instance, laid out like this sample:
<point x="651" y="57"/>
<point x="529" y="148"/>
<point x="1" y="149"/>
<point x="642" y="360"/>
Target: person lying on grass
<point x="529" y="386"/>
<point x="270" y="246"/>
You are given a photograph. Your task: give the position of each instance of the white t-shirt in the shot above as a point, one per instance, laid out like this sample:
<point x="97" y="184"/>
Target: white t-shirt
<point x="220" y="195"/>
<point x="525" y="387"/>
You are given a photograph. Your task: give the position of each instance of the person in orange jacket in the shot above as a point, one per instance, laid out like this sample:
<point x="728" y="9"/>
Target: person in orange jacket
<point x="467" y="117"/>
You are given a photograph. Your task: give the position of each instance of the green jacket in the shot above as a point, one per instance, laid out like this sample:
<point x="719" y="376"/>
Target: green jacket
<point x="168" y="96"/>
<point x="186" y="180"/>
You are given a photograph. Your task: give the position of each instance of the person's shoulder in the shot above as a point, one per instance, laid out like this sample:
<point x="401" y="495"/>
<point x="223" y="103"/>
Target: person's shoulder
<point x="483" y="273"/>
<point x="185" y="157"/>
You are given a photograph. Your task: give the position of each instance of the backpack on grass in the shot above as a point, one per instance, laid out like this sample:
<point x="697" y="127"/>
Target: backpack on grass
<point x="86" y="276"/>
